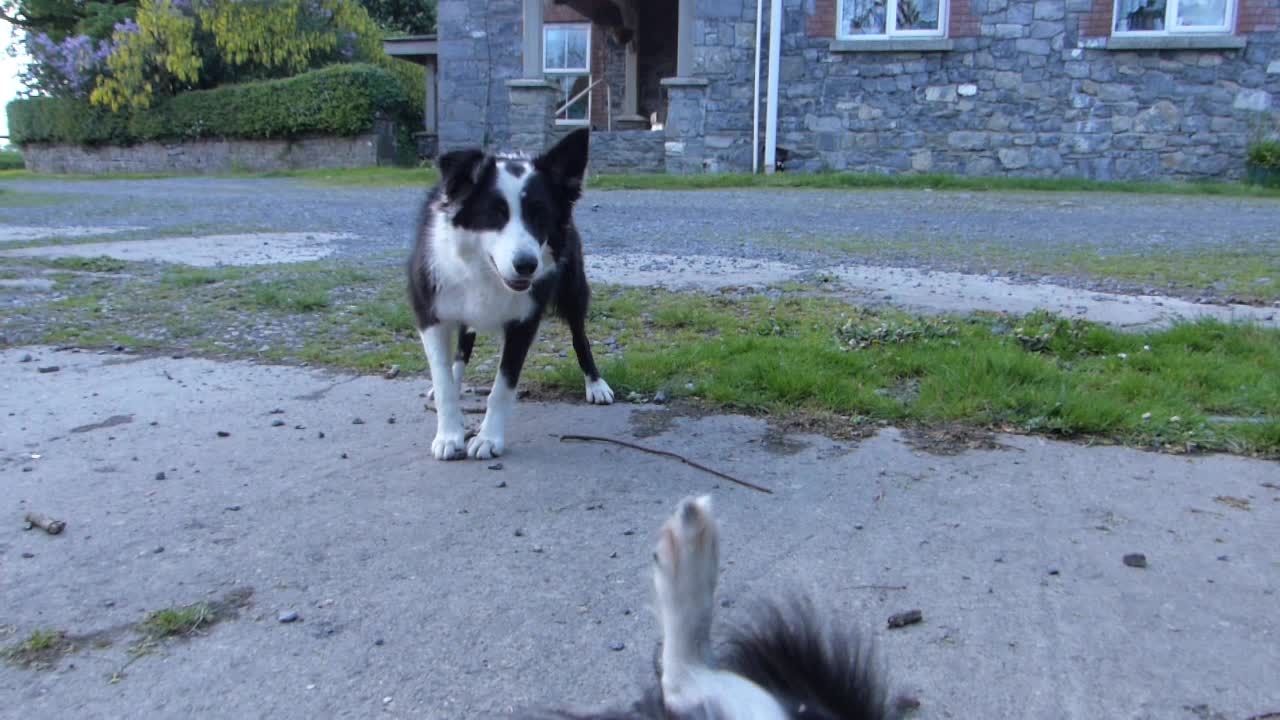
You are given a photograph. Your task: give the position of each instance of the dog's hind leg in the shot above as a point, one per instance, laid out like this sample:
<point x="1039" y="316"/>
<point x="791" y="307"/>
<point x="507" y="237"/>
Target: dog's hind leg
<point x="686" y="563"/>
<point x="491" y="440"/>
<point x="450" y="440"/>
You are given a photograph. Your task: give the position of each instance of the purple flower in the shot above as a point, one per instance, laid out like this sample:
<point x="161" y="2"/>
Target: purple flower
<point x="66" y="69"/>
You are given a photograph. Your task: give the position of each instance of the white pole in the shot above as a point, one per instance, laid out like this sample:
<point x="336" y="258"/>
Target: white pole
<point x="771" y="101"/>
<point x="755" y="94"/>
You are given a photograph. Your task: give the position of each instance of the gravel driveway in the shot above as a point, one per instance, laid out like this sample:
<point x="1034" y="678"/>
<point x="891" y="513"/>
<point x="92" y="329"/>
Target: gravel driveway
<point x="980" y="232"/>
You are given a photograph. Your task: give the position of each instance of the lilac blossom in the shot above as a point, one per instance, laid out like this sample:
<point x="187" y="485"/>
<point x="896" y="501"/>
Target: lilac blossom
<point x="66" y="69"/>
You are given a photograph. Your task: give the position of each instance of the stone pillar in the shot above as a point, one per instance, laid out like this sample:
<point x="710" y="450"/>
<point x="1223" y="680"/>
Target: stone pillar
<point x="686" y="125"/>
<point x="532" y="118"/>
<point x="684" y="40"/>
<point x="532" y="68"/>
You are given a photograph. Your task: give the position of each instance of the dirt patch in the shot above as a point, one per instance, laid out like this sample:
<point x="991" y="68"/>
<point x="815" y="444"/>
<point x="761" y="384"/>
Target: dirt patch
<point x="951" y="439"/>
<point x="653" y="420"/>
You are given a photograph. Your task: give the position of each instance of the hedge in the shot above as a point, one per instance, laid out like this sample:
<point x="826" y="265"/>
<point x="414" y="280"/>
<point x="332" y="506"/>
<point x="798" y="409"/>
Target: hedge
<point x="338" y="100"/>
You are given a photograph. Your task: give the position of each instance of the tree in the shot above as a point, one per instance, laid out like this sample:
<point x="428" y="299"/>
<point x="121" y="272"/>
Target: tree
<point x="60" y="19"/>
<point x="183" y="44"/>
<point x="413" y="17"/>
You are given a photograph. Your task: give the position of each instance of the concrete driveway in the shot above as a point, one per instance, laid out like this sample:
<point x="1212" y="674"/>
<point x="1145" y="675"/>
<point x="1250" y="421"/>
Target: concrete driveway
<point x="434" y="590"/>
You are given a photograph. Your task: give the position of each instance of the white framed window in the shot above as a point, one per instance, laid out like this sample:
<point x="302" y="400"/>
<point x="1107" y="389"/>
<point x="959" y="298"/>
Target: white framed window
<point x="883" y="19"/>
<point x="1168" y="17"/>
<point x="566" y="60"/>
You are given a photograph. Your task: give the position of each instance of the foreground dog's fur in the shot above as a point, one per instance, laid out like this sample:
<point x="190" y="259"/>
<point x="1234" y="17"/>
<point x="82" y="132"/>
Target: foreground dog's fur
<point x="495" y="247"/>
<point x="785" y="666"/>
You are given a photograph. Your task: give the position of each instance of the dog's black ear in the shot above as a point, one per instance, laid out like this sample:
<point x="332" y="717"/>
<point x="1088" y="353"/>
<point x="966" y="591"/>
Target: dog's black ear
<point x="460" y="172"/>
<point x="566" y="163"/>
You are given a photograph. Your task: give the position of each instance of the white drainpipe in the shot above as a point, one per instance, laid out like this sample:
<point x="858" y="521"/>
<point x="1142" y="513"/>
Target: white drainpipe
<point x="771" y="101"/>
<point x="755" y="95"/>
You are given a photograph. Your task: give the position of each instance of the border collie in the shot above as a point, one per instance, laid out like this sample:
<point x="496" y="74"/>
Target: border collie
<point x="495" y="247"/>
<point x="786" y="665"/>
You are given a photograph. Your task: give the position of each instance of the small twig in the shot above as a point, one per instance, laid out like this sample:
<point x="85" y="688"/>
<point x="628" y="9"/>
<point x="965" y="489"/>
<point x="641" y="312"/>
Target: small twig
<point x="49" y="525"/>
<point x="878" y="587"/>
<point x="665" y="453"/>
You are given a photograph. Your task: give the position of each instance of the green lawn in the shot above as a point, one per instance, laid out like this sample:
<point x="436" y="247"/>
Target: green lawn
<point x="1200" y="386"/>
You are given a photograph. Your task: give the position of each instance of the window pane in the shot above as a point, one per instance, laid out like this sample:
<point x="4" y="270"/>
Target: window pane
<point x="553" y="48"/>
<point x="571" y="85"/>
<point x="918" y="14"/>
<point x="1202" y="13"/>
<point x="862" y="17"/>
<point x="1137" y="15"/>
<point x="576" y="49"/>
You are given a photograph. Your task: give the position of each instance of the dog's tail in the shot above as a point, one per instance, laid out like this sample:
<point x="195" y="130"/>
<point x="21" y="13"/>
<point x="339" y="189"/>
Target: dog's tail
<point x="814" y="671"/>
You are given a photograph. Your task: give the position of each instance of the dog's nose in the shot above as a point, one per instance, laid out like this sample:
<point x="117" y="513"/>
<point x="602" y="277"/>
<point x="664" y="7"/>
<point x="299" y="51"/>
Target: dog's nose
<point x="525" y="265"/>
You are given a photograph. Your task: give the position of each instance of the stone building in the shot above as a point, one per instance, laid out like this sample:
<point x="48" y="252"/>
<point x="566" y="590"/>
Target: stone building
<point x="1104" y="89"/>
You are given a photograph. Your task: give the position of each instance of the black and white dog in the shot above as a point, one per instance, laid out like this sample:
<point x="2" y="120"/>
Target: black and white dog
<point x="787" y="665"/>
<point x="496" y="246"/>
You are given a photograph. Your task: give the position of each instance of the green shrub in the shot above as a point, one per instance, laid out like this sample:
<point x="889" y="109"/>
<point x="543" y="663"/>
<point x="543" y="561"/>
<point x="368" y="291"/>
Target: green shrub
<point x="413" y="80"/>
<point x="11" y="160"/>
<point x="337" y="100"/>
<point x="1265" y="153"/>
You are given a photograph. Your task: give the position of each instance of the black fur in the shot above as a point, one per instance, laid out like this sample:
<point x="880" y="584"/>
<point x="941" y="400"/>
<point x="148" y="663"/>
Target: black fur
<point x="466" y="189"/>
<point x="815" y="672"/>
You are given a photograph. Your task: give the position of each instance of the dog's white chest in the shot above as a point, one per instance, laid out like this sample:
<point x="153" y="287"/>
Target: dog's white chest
<point x="475" y="297"/>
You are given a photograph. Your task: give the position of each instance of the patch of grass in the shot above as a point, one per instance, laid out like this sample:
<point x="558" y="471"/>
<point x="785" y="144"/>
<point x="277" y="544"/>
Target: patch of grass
<point x="100" y="264"/>
<point x="178" y="621"/>
<point x="839" y="181"/>
<point x="802" y="355"/>
<point x="41" y="649"/>
<point x="363" y="177"/>
<point x="11" y="160"/>
<point x="10" y="198"/>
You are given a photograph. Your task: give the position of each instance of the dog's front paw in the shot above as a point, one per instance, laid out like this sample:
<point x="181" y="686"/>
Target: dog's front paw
<point x="599" y="392"/>
<point x="483" y="447"/>
<point x="687" y="558"/>
<point x="449" y="446"/>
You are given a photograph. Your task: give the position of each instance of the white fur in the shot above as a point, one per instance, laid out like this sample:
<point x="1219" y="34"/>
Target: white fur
<point x="686" y="564"/>
<point x="468" y="291"/>
<point x="450" y="440"/>
<point x="599" y="392"/>
<point x="491" y="440"/>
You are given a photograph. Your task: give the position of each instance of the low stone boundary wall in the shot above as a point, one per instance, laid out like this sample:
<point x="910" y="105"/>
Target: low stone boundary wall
<point x="628" y="151"/>
<point x="212" y="156"/>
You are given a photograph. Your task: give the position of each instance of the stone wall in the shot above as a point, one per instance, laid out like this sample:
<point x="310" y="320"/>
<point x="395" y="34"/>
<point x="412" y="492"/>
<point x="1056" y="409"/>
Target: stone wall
<point x="480" y="50"/>
<point x="1023" y="87"/>
<point x="208" y="156"/>
<point x="627" y="151"/>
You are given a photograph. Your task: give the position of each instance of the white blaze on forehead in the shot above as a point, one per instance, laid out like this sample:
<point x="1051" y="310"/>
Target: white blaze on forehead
<point x="513" y="177"/>
<point x="514" y="241"/>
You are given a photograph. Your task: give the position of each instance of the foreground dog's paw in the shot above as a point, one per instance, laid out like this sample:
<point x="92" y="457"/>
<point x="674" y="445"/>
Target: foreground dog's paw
<point x="449" y="446"/>
<point x="482" y="447"/>
<point x="431" y="393"/>
<point x="687" y="559"/>
<point x="599" y="392"/>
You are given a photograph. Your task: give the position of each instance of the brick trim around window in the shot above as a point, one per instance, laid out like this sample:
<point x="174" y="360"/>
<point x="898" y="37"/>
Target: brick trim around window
<point x="1257" y="16"/>
<point x="1097" y="22"/>
<point x="962" y="22"/>
<point x="822" y="23"/>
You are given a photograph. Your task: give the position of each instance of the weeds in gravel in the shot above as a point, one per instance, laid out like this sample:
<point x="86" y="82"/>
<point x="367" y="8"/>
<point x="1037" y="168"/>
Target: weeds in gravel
<point x="40" y="650"/>
<point x="100" y="264"/>
<point x="1195" y="386"/>
<point x="177" y="621"/>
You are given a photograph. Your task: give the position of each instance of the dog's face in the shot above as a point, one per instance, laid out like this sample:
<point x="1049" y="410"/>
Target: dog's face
<point x="515" y="210"/>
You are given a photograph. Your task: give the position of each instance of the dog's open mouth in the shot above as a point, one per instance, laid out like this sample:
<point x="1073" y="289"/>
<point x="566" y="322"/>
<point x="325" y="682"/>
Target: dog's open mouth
<point x="518" y="285"/>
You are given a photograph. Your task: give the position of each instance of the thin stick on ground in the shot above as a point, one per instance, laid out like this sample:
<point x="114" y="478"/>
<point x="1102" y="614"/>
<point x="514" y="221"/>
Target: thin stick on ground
<point x="666" y="453"/>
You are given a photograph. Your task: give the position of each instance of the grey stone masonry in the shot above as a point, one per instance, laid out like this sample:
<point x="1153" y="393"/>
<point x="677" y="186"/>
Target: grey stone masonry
<point x="1035" y="88"/>
<point x="206" y="156"/>
<point x="1028" y="94"/>
<point x="628" y="151"/>
<point x="687" y="110"/>
<point x="531" y="119"/>
<point x="480" y="50"/>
